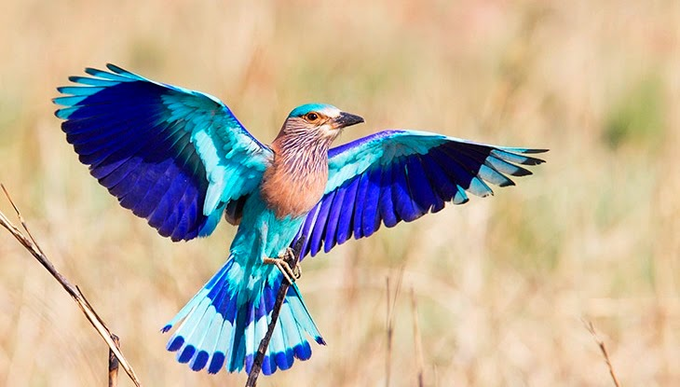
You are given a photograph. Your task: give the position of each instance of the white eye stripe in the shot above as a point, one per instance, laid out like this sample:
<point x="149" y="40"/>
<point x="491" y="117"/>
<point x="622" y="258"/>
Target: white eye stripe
<point x="330" y="111"/>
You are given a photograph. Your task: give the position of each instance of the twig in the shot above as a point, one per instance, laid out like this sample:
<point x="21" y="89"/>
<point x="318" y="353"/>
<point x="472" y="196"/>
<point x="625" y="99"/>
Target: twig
<point x="417" y="340"/>
<point x="280" y="296"/>
<point x="391" y="303"/>
<point x="113" y="364"/>
<point x="591" y="328"/>
<point x="27" y="240"/>
<point x="390" y="330"/>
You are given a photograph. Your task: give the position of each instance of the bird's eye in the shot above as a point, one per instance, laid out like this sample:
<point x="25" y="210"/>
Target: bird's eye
<point x="312" y="116"/>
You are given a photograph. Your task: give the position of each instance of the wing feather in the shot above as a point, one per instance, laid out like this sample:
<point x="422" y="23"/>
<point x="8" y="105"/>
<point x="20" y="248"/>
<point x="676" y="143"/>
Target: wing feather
<point x="400" y="175"/>
<point x="173" y="156"/>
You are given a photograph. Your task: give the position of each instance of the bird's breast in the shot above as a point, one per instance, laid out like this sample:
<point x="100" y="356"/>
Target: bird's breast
<point x="293" y="192"/>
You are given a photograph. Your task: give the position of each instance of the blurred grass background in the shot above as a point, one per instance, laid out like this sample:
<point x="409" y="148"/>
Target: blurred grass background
<point x="501" y="284"/>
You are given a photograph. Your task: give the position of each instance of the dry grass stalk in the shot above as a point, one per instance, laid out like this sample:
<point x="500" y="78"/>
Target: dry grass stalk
<point x="417" y="341"/>
<point x="389" y="329"/>
<point x="389" y="323"/>
<point x="591" y="328"/>
<point x="113" y="363"/>
<point x="27" y="240"/>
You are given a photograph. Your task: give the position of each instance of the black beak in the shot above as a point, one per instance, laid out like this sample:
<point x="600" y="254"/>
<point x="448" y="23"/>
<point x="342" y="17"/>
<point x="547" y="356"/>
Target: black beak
<point x="345" y="119"/>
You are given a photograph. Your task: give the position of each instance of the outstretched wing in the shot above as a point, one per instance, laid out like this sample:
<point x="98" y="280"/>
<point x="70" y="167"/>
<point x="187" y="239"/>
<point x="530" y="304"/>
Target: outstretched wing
<point x="174" y="156"/>
<point x="398" y="175"/>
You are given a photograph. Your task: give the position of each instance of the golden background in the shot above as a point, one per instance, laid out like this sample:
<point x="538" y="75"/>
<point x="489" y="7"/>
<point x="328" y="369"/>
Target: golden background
<point x="501" y="284"/>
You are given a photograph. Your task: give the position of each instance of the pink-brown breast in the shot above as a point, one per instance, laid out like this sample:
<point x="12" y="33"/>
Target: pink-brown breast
<point x="290" y="192"/>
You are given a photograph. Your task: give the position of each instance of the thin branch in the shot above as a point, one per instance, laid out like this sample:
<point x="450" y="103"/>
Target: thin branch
<point x="390" y="329"/>
<point x="591" y="328"/>
<point x="113" y="364"/>
<point x="280" y="296"/>
<point x="417" y="340"/>
<point x="27" y="240"/>
<point x="391" y="303"/>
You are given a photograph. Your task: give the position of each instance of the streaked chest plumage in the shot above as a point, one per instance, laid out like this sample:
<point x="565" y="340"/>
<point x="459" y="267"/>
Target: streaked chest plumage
<point x="294" y="184"/>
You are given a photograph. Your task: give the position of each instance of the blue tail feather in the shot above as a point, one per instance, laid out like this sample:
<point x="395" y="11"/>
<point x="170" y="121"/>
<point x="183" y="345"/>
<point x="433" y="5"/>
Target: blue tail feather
<point x="222" y="325"/>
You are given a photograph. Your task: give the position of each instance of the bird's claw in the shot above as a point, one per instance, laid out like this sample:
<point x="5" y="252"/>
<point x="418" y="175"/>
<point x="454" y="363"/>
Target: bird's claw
<point x="287" y="264"/>
<point x="291" y="261"/>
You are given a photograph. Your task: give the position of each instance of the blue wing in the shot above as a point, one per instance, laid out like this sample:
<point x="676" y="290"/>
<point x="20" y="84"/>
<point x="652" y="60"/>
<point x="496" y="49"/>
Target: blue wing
<point x="398" y="175"/>
<point x="174" y="156"/>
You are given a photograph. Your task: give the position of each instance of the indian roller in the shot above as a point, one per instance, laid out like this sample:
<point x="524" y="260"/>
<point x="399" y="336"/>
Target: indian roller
<point x="182" y="160"/>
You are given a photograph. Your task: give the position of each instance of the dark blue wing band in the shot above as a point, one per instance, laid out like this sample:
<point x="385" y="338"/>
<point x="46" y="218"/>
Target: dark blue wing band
<point x="147" y="162"/>
<point x="410" y="179"/>
<point x="168" y="154"/>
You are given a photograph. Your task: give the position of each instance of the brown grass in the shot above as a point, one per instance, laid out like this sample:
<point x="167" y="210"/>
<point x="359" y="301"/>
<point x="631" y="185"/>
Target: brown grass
<point x="501" y="283"/>
<point x="25" y="238"/>
<point x="603" y="348"/>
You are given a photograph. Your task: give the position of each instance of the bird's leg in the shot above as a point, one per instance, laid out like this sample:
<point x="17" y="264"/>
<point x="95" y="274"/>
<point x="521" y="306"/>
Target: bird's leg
<point x="283" y="267"/>
<point x="292" y="261"/>
<point x="284" y="263"/>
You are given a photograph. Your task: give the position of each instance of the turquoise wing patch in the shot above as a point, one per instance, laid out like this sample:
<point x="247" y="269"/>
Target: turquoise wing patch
<point x="173" y="156"/>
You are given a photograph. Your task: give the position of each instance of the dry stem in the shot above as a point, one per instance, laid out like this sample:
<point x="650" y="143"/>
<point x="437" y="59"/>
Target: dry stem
<point x="390" y="330"/>
<point x="417" y="341"/>
<point x="27" y="240"/>
<point x="591" y="328"/>
<point x="389" y="323"/>
<point x="113" y="363"/>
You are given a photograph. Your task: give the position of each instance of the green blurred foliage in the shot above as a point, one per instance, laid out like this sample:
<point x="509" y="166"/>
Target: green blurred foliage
<point x="637" y="119"/>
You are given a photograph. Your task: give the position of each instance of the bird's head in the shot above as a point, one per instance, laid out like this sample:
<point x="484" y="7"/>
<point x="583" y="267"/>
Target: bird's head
<point x="319" y="121"/>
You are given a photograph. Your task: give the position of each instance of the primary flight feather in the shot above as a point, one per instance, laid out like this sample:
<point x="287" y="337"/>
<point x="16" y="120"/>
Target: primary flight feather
<point x="180" y="159"/>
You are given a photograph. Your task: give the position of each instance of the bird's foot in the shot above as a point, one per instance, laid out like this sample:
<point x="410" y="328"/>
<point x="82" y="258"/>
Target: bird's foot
<point x="287" y="264"/>
<point x="292" y="261"/>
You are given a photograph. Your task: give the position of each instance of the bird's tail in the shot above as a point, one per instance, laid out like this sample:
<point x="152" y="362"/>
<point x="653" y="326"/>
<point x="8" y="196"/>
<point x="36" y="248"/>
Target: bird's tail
<point x="224" y="322"/>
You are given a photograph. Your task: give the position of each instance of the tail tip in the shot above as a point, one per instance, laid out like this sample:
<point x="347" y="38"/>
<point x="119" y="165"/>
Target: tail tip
<point x="216" y="363"/>
<point x="320" y="340"/>
<point x="175" y="344"/>
<point x="200" y="360"/>
<point x="187" y="354"/>
<point x="303" y="351"/>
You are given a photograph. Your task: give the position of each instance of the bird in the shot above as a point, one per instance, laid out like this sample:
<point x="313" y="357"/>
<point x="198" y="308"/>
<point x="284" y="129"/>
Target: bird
<point x="182" y="160"/>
